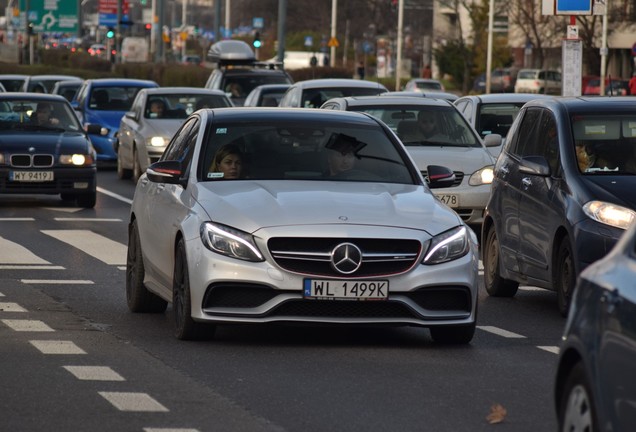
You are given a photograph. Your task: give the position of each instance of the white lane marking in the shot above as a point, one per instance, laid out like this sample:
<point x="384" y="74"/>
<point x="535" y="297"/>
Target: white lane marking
<point x="114" y="195"/>
<point x="64" y="209"/>
<point x="121" y="268"/>
<point x="550" y="349"/>
<point x="27" y="325"/>
<point x="532" y="288"/>
<point x="59" y="219"/>
<point x="17" y="219"/>
<point x="31" y="267"/>
<point x="147" y="429"/>
<point x="57" y="281"/>
<point x="500" y="332"/>
<point x="57" y="347"/>
<point x="139" y="402"/>
<point x="94" y="373"/>
<point x="1" y="295"/>
<point x="98" y="246"/>
<point x="11" y="307"/>
<point x="14" y="253"/>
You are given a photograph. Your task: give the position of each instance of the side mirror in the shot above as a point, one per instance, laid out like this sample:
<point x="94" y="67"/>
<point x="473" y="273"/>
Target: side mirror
<point x="131" y="115"/>
<point x="170" y="172"/>
<point x="439" y="176"/>
<point x="493" y="140"/>
<point x="534" y="165"/>
<point x="95" y="129"/>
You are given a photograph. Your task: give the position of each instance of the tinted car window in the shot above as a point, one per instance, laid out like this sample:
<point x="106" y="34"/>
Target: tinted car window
<point x="527" y="144"/>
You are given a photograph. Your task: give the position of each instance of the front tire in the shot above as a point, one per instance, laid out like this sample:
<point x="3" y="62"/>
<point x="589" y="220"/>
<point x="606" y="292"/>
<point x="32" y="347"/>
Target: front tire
<point x="139" y="299"/>
<point x="576" y="407"/>
<point x="185" y="327"/>
<point x="565" y="277"/>
<point x="136" y="172"/>
<point x="122" y="173"/>
<point x="496" y="286"/>
<point x="87" y="200"/>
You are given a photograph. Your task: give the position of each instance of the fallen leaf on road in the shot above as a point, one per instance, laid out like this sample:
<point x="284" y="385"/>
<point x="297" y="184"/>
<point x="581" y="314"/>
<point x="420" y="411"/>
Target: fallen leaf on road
<point x="497" y="414"/>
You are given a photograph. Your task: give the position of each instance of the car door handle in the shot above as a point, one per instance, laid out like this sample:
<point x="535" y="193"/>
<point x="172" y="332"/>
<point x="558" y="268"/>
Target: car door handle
<point x="526" y="182"/>
<point x="504" y="171"/>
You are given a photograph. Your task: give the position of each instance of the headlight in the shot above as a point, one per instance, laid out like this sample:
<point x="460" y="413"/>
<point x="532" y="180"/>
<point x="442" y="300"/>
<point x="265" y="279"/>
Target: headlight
<point x="447" y="246"/>
<point x="157" y="141"/>
<point x="483" y="176"/>
<point x="1" y="158"/>
<point x="230" y="242"/>
<point x="609" y="214"/>
<point x="76" y="159"/>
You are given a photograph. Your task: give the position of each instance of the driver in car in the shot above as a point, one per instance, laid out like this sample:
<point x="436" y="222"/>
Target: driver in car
<point x="342" y="153"/>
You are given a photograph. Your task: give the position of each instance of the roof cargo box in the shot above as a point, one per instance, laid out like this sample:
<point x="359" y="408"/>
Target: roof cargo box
<point x="230" y="52"/>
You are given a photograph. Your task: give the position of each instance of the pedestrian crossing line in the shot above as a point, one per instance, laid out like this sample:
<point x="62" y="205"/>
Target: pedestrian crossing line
<point x="96" y="245"/>
<point x="114" y="195"/>
<point x="31" y="267"/>
<point x="501" y="332"/>
<point x="17" y="219"/>
<point x="56" y="282"/>
<point x="61" y="219"/>
<point x="550" y="349"/>
<point x="94" y="373"/>
<point x="121" y="268"/>
<point x="1" y="295"/>
<point x="135" y="402"/>
<point x="13" y="253"/>
<point x="147" y="429"/>
<point x="57" y="347"/>
<point x="11" y="307"/>
<point x="27" y="325"/>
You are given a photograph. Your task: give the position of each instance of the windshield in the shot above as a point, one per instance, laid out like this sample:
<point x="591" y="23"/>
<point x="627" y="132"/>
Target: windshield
<point x="112" y="98"/>
<point x="497" y="118"/>
<point x="316" y="152"/>
<point x="429" y="126"/>
<point x="34" y="114"/>
<point x="180" y="106"/>
<point x="605" y="144"/>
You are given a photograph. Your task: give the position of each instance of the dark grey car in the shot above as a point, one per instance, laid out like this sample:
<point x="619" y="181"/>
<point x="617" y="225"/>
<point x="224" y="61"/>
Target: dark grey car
<point x="595" y="388"/>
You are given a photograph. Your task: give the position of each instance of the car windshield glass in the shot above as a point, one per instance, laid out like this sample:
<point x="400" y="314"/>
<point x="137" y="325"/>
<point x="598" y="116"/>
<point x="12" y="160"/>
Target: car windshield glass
<point x="428" y="85"/>
<point x="37" y="115"/>
<point x="436" y="126"/>
<point x="314" y="98"/>
<point x="497" y="118"/>
<point x="315" y="151"/>
<point x="12" y="85"/>
<point x="180" y="106"/>
<point x="112" y="98"/>
<point x="605" y="144"/>
<point x="241" y="86"/>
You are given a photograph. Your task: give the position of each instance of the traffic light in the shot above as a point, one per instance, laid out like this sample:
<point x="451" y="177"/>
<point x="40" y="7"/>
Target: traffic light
<point x="257" y="40"/>
<point x="110" y="33"/>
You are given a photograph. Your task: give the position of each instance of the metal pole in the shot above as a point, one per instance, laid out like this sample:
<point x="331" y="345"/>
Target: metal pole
<point x="334" y="13"/>
<point x="217" y="20"/>
<point x="227" y="19"/>
<point x="153" y="30"/>
<point x="184" y="13"/>
<point x="398" y="66"/>
<point x="118" y="34"/>
<point x="160" y="43"/>
<point x="282" y="17"/>
<point x="604" y="50"/>
<point x="491" y="18"/>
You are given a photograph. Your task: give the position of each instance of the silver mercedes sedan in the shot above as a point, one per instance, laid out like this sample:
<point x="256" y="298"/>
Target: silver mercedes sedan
<point x="272" y="215"/>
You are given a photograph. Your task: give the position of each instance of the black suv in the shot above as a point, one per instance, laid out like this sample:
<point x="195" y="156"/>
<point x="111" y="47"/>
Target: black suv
<point x="563" y="193"/>
<point x="237" y="73"/>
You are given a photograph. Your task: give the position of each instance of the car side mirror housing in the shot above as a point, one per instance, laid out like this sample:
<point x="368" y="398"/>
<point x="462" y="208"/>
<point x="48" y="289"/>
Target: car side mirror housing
<point x="535" y="165"/>
<point x="439" y="176"/>
<point x="170" y="172"/>
<point x="492" y="140"/>
<point x="131" y="115"/>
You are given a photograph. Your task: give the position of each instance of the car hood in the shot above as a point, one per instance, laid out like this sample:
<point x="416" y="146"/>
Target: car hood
<point x="615" y="189"/>
<point x="163" y="127"/>
<point x="464" y="159"/>
<point x="44" y="142"/>
<point x="108" y="119"/>
<point x="250" y="205"/>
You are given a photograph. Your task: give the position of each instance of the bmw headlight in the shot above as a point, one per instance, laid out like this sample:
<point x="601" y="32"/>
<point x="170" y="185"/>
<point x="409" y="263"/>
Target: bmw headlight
<point x="230" y="242"/>
<point x="609" y="214"/>
<point x="447" y="246"/>
<point x="482" y="176"/>
<point x="156" y="141"/>
<point x="76" y="159"/>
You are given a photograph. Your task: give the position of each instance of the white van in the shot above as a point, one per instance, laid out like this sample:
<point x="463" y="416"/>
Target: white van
<point x="134" y="50"/>
<point x="538" y="81"/>
<point x="300" y="59"/>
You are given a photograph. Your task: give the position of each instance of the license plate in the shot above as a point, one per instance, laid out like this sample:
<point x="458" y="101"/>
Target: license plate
<point x="346" y="290"/>
<point x="449" y="200"/>
<point x="31" y="176"/>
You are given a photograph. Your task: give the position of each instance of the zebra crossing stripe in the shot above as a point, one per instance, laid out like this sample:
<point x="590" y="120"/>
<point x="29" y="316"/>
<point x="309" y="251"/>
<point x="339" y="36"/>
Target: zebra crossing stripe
<point x="96" y="245"/>
<point x="14" y="253"/>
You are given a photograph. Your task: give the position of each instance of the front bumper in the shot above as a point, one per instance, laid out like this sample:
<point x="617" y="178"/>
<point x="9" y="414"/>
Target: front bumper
<point x="65" y="180"/>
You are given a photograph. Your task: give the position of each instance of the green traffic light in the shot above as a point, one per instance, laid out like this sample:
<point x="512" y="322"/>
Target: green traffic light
<point x="257" y="43"/>
<point x="110" y="34"/>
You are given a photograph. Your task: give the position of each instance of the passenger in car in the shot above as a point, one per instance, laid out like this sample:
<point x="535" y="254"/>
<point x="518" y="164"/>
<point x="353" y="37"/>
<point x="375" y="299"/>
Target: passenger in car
<point x="427" y="127"/>
<point x="157" y="108"/>
<point x="342" y="154"/>
<point x="42" y="115"/>
<point x="227" y="163"/>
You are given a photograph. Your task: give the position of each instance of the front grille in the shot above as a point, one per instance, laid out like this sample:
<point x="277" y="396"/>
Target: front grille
<point x="232" y="295"/>
<point x="312" y="256"/>
<point x="441" y="299"/>
<point x="344" y="309"/>
<point x="27" y="160"/>
<point x="459" y="177"/>
<point x="9" y="186"/>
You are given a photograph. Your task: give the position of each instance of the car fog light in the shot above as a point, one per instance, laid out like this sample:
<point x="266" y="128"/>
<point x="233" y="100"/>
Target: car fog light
<point x="80" y="185"/>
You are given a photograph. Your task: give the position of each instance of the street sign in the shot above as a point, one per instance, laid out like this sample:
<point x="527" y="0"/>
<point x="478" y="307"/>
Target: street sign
<point x="51" y="16"/>
<point x="333" y="42"/>
<point x="573" y="7"/>
<point x="309" y="41"/>
<point x="258" y="22"/>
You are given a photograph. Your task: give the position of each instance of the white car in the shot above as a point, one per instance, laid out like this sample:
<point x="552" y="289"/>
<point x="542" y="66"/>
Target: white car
<point x="538" y="81"/>
<point x="272" y="215"/>
<point x="143" y="135"/>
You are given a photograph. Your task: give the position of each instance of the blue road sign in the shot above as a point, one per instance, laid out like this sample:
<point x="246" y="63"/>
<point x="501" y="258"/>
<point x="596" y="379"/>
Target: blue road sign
<point x="573" y="7"/>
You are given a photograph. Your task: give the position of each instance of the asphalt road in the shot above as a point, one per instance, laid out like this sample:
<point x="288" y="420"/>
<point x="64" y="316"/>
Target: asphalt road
<point x="74" y="359"/>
